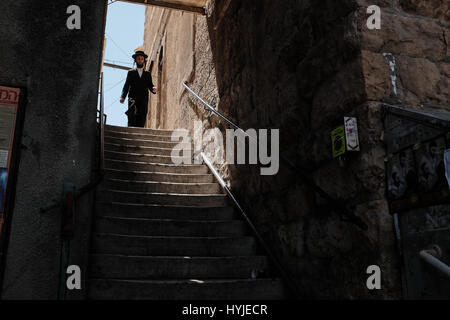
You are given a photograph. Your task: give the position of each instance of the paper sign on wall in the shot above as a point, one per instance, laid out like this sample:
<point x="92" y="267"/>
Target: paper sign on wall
<point x="351" y="134"/>
<point x="338" y="141"/>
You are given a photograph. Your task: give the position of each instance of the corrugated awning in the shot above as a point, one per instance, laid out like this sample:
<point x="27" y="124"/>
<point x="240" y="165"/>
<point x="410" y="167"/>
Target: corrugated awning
<point x="196" y="6"/>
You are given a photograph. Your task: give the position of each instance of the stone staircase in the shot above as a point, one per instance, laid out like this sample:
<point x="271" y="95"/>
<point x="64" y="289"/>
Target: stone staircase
<point x="168" y="232"/>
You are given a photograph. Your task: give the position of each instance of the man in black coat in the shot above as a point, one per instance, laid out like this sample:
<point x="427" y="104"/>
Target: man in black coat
<point x="136" y="87"/>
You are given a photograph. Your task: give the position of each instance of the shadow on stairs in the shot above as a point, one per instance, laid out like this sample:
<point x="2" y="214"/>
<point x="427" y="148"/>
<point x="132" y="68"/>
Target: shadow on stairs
<point x="167" y="232"/>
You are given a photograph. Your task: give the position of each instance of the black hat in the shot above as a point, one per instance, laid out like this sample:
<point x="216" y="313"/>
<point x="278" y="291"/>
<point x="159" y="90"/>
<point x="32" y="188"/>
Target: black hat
<point x="139" y="53"/>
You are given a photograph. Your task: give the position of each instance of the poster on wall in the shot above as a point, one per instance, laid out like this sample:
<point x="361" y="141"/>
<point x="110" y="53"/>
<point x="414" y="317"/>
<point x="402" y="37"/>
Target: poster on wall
<point x="338" y="141"/>
<point x="351" y="134"/>
<point x="402" y="176"/>
<point x="430" y="164"/>
<point x="3" y="180"/>
<point x="9" y="101"/>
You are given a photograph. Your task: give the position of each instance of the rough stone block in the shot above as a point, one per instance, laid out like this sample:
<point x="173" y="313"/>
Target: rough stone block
<point x="405" y="35"/>
<point x="376" y="75"/>
<point x="422" y="81"/>
<point x="438" y="9"/>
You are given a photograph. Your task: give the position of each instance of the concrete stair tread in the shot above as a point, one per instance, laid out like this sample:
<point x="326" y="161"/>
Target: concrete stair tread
<point x="178" y="267"/>
<point x="170" y="227"/>
<point x="169" y="220"/>
<point x="203" y="195"/>
<point x="173" y="245"/>
<point x="139" y="154"/>
<point x="155" y="172"/>
<point x="109" y="127"/>
<point x="143" y="165"/>
<point x="132" y="135"/>
<point x="175" y="237"/>
<point x="169" y="198"/>
<point x="200" y="258"/>
<point x="160" y="186"/>
<point x="155" y="163"/>
<point x="138" y="143"/>
<point x="136" y="210"/>
<point x="139" y="136"/>
<point x="155" y="176"/>
<point x="163" y="182"/>
<point x="138" y="157"/>
<point x="193" y="281"/>
<point x="142" y="150"/>
<point x="108" y="144"/>
<point x="188" y="289"/>
<point x="147" y="143"/>
<point x="163" y="206"/>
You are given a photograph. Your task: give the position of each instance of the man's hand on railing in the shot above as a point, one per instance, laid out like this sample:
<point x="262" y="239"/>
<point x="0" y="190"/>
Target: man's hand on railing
<point x="154" y="90"/>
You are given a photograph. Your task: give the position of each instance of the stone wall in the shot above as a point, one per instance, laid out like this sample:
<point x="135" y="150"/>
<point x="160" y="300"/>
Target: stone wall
<point x="59" y="68"/>
<point x="175" y="67"/>
<point x="301" y="66"/>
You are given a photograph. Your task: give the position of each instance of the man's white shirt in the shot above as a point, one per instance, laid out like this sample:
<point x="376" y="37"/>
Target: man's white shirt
<point x="140" y="70"/>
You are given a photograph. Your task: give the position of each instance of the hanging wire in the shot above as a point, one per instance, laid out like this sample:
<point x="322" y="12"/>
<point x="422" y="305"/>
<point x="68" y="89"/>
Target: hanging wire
<point x="123" y="51"/>
<point x="110" y="105"/>
<point x="115" y="85"/>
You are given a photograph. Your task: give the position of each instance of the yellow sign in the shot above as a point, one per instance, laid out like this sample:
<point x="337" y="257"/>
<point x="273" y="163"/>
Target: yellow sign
<point x="338" y="141"/>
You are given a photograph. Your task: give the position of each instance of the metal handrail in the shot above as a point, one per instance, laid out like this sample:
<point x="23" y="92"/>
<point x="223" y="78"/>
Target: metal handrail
<point x="287" y="278"/>
<point x="432" y="256"/>
<point x="299" y="171"/>
<point x="102" y="122"/>
<point x="211" y="108"/>
<point x="284" y="274"/>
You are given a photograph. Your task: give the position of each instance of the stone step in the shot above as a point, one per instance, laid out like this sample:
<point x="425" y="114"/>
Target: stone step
<point x="146" y="143"/>
<point x="138" y="149"/>
<point x="168" y="227"/>
<point x="198" y="200"/>
<point x="240" y="289"/>
<point x="109" y="127"/>
<point x="158" y="176"/>
<point x="133" y="210"/>
<point x="136" y="157"/>
<point x="155" y="167"/>
<point x="161" y="187"/>
<point x="139" y="136"/>
<point x="141" y="267"/>
<point x="173" y="246"/>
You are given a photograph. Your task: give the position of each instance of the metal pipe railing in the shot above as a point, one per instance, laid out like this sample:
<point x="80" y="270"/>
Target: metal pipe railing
<point x="212" y="109"/>
<point x="102" y="122"/>
<point x="432" y="258"/>
<point x="286" y="277"/>
<point x="288" y="280"/>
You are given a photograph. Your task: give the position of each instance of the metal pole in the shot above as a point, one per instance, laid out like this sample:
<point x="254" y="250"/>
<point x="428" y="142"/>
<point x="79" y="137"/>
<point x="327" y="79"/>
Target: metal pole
<point x="102" y="123"/>
<point x="288" y="280"/>
<point x="429" y="256"/>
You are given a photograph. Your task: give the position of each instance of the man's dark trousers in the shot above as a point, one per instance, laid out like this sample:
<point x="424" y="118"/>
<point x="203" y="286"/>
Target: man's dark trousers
<point x="137" y="90"/>
<point x="138" y="119"/>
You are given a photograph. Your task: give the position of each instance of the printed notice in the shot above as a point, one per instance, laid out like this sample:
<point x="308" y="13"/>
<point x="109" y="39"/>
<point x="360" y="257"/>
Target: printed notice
<point x="4" y="158"/>
<point x="7" y="116"/>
